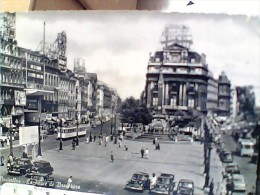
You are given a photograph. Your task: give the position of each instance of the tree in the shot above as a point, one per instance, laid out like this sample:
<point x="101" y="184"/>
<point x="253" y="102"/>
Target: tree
<point x="133" y="112"/>
<point x="246" y="101"/>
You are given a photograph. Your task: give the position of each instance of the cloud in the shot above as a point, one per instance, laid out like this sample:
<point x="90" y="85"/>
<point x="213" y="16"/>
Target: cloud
<point x="116" y="45"/>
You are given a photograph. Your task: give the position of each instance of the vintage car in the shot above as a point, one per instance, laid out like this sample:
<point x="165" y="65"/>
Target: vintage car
<point x="20" y="166"/>
<point x="42" y="166"/>
<point x="237" y="183"/>
<point x="226" y="157"/>
<point x="139" y="181"/>
<point x="185" y="187"/>
<point x="41" y="180"/>
<point x="232" y="168"/>
<point x="165" y="184"/>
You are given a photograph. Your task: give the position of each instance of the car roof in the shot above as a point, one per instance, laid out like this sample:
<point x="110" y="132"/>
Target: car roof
<point x="167" y="175"/>
<point x="231" y="164"/>
<point x="41" y="161"/>
<point x="23" y="159"/>
<point x="39" y="174"/>
<point x="186" y="180"/>
<point x="238" y="176"/>
<point x="141" y="173"/>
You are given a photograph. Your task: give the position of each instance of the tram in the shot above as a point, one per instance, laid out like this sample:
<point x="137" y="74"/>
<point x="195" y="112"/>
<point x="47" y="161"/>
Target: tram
<point x="71" y="131"/>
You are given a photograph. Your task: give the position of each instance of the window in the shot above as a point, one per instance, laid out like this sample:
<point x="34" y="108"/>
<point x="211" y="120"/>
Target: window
<point x="190" y="102"/>
<point x="173" y="101"/>
<point x="155" y="101"/>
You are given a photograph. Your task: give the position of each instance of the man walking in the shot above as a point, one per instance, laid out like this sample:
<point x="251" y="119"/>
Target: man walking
<point x="112" y="157"/>
<point x="142" y="152"/>
<point x="69" y="183"/>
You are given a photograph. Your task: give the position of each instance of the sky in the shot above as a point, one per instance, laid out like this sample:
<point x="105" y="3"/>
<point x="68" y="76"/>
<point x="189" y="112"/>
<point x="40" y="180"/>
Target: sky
<point x="116" y="44"/>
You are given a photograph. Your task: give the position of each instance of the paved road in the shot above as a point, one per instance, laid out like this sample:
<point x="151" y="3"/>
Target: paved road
<point x="92" y="170"/>
<point x="246" y="167"/>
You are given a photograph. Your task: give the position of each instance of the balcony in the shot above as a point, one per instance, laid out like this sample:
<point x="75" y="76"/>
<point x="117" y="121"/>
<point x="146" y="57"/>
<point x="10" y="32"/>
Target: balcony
<point x="175" y="107"/>
<point x="11" y="84"/>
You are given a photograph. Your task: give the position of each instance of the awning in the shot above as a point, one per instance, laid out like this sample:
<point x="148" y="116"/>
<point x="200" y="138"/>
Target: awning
<point x="38" y="92"/>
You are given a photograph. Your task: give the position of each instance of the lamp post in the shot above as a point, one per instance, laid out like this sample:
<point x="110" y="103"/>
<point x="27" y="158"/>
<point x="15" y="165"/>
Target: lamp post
<point x="77" y="139"/>
<point x="39" y="138"/>
<point x="60" y="124"/>
<point x="111" y="120"/>
<point x="11" y="137"/>
<point x="258" y="161"/>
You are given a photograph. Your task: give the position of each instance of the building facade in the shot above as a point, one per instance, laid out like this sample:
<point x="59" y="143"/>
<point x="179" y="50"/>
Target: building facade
<point x="224" y="95"/>
<point x="176" y="77"/>
<point x="12" y="94"/>
<point x="212" y="96"/>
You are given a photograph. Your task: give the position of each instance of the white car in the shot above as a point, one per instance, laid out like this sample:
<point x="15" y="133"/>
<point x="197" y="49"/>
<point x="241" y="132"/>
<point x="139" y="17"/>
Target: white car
<point x="238" y="182"/>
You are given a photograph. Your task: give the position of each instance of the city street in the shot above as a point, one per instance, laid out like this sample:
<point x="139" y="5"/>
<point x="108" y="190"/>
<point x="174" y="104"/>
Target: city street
<point x="92" y="169"/>
<point x="247" y="168"/>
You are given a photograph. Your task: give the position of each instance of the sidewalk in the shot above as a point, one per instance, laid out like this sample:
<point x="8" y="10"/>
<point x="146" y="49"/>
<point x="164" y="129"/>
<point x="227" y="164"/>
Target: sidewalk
<point x="216" y="170"/>
<point x="93" y="161"/>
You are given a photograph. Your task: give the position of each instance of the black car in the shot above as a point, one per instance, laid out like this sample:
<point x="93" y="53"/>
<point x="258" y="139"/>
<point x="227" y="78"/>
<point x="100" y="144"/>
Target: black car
<point x="226" y="157"/>
<point x="164" y="185"/>
<point x="139" y="181"/>
<point x="185" y="187"/>
<point x="41" y="180"/>
<point x="42" y="166"/>
<point x="232" y="169"/>
<point x="20" y="166"/>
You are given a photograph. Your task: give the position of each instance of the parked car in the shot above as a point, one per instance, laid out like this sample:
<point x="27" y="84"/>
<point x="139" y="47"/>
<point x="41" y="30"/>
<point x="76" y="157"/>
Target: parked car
<point x="165" y="184"/>
<point x="232" y="168"/>
<point x="20" y="166"/>
<point x="41" y="180"/>
<point x="185" y="187"/>
<point x="139" y="181"/>
<point x="237" y="183"/>
<point x="41" y="166"/>
<point x="226" y="157"/>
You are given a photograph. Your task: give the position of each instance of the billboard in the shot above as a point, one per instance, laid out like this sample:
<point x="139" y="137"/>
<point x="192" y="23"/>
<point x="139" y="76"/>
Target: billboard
<point x="28" y="135"/>
<point x="19" y="98"/>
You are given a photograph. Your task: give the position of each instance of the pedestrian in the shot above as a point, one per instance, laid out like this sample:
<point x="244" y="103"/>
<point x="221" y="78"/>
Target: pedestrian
<point x="69" y="183"/>
<point x="115" y="142"/>
<point x="90" y="138"/>
<point x="142" y="152"/>
<point x="112" y="157"/>
<point x="94" y="138"/>
<point x="2" y="143"/>
<point x="119" y="143"/>
<point x="73" y="144"/>
<point x="154" y="141"/>
<point x="146" y="153"/>
<point x="126" y="148"/>
<point x="153" y="181"/>
<point x="157" y="146"/>
<point x="87" y="139"/>
<point x="211" y="187"/>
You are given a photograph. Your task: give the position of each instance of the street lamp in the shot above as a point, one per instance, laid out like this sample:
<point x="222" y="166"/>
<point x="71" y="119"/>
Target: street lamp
<point x="258" y="160"/>
<point x="11" y="137"/>
<point x="77" y="140"/>
<point x="60" y="124"/>
<point x="39" y="140"/>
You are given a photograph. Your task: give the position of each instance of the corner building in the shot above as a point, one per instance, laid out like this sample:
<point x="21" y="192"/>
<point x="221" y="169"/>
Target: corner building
<point x="176" y="78"/>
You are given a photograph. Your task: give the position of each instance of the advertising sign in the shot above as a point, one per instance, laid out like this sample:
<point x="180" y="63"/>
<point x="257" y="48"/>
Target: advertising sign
<point x="28" y="135"/>
<point x="20" y="98"/>
<point x="32" y="104"/>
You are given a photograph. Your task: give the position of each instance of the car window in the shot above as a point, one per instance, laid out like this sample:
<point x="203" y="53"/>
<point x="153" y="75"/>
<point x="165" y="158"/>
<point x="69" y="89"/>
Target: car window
<point x="186" y="185"/>
<point x="138" y="177"/>
<point x="37" y="164"/>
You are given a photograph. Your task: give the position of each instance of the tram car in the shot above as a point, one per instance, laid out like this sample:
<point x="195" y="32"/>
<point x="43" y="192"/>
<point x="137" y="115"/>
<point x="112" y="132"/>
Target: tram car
<point x="71" y="131"/>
